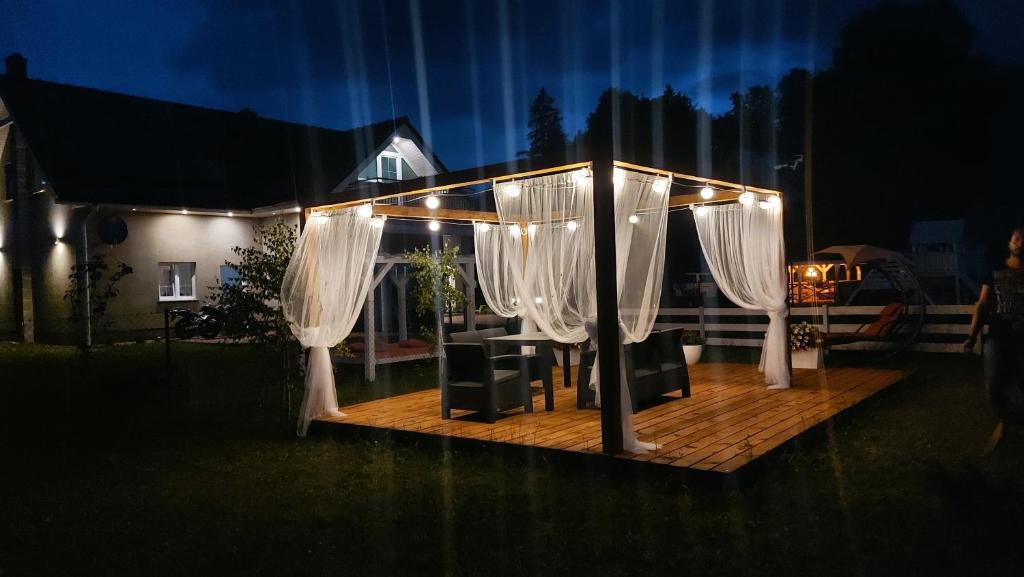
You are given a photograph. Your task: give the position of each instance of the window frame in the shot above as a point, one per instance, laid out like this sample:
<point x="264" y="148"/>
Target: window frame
<point x="177" y="296"/>
<point x="380" y="167"/>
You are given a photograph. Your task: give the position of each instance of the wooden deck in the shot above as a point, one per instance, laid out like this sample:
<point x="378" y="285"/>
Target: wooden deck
<point x="730" y="420"/>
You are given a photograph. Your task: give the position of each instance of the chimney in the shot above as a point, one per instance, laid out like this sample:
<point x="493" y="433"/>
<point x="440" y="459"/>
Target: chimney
<point x="17" y="66"/>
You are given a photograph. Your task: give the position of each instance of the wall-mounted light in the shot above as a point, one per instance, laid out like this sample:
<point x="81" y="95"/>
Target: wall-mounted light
<point x="432" y="202"/>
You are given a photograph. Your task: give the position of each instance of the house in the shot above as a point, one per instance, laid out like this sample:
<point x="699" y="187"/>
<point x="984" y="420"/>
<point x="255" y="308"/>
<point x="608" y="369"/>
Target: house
<point x="167" y="188"/>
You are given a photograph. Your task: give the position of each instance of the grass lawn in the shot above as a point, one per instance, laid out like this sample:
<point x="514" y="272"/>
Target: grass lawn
<point x="110" y="464"/>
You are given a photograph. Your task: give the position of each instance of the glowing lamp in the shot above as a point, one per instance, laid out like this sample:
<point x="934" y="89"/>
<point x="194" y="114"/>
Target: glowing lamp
<point x="571" y="225"/>
<point x="747" y="198"/>
<point x="775" y="201"/>
<point x="377" y="222"/>
<point x="619" y="177"/>
<point x="532" y="228"/>
<point x="700" y="211"/>
<point x="764" y="204"/>
<point x="707" y="193"/>
<point x="433" y="202"/>
<point x="660" y="185"/>
<point x="364" y="211"/>
<point x="434" y="226"/>
<point x="513" y="190"/>
<point x="633" y="219"/>
<point x="484" y="227"/>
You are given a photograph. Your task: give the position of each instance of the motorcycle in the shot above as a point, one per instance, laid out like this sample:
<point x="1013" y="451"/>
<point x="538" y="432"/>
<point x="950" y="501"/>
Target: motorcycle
<point x="207" y="323"/>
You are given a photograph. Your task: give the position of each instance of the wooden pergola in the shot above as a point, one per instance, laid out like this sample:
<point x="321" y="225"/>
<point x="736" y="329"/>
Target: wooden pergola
<point x="384" y="195"/>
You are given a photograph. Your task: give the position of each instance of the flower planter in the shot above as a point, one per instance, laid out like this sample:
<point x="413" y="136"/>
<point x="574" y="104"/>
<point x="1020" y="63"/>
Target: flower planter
<point x="692" y="353"/>
<point x="811" y="358"/>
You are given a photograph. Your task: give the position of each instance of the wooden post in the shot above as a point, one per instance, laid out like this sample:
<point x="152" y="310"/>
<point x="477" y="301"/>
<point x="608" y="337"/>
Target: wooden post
<point x="608" y="340"/>
<point x="369" y="338"/>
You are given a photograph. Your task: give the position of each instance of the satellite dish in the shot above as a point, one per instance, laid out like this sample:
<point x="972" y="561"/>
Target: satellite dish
<point x="112" y="229"/>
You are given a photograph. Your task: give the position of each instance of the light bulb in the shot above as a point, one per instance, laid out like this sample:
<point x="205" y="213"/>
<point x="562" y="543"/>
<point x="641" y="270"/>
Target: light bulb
<point x="707" y="193"/>
<point x="229" y="213"/>
<point x="377" y="222"/>
<point x="538" y="300"/>
<point x="515" y="230"/>
<point x="395" y="140"/>
<point x="433" y="202"/>
<point x="764" y="204"/>
<point x="701" y="210"/>
<point x="484" y="227"/>
<point x="364" y="211"/>
<point x="532" y="228"/>
<point x="775" y="201"/>
<point x="633" y="219"/>
<point x="571" y="225"/>
<point x="434" y="226"/>
<point x="183" y="211"/>
<point x="513" y="190"/>
<point x="579" y="175"/>
<point x="747" y="198"/>
<point x="619" y="177"/>
<point x="660" y="185"/>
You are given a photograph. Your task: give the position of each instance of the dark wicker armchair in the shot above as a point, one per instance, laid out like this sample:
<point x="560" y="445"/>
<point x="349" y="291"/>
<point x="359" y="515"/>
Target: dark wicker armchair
<point x="471" y="381"/>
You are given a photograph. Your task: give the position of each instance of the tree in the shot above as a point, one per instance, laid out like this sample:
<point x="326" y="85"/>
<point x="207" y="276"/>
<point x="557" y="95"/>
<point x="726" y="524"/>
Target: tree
<point x="92" y="277"/>
<point x="252" y="302"/>
<point x="433" y="275"/>
<point x="547" y="138"/>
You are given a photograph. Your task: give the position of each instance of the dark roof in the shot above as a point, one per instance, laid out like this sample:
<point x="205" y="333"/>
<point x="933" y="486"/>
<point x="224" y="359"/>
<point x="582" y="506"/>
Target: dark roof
<point x="104" y="147"/>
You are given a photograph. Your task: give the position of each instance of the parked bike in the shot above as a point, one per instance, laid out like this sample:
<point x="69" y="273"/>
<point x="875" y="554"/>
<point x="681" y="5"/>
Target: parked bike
<point x="207" y="323"/>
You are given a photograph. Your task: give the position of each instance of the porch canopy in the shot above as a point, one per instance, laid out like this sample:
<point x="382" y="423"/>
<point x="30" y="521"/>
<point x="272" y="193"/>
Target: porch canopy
<point x="577" y="251"/>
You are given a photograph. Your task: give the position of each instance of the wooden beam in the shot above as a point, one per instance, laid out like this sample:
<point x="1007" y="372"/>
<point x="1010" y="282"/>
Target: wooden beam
<point x="691" y="178"/>
<point x="608" y="341"/>
<point x="437" y="213"/>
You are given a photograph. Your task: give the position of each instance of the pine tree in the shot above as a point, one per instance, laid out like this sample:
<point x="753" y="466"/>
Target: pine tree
<point x="547" y="139"/>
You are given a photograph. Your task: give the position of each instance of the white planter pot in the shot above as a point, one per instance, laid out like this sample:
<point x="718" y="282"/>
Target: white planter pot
<point x="808" y="359"/>
<point x="692" y="353"/>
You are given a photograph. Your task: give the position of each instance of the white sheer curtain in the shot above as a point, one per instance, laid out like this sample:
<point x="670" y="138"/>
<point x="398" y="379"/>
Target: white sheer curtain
<point x="322" y="296"/>
<point x="495" y="261"/>
<point x="554" y="216"/>
<point x="744" y="248"/>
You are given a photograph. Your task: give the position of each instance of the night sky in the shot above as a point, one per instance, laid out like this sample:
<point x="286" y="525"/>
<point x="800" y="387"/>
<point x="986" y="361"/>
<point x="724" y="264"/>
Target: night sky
<point x="463" y="70"/>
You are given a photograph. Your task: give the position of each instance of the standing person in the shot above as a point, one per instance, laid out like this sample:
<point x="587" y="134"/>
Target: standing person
<point x="1001" y="305"/>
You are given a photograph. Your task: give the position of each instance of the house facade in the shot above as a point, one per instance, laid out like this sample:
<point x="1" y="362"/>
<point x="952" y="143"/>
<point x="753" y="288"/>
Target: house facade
<point x="166" y="188"/>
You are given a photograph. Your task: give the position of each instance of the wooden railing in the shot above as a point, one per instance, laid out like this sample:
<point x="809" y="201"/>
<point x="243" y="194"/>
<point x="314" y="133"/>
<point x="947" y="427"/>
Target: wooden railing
<point x="945" y="327"/>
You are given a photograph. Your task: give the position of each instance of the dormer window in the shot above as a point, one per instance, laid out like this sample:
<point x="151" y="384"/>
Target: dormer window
<point x="389" y="167"/>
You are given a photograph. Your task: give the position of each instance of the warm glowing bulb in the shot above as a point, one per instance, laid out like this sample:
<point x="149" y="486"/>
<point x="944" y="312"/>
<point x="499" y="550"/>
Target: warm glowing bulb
<point x="775" y="201"/>
<point x="515" y="230"/>
<point x="395" y="140"/>
<point x="364" y="211"/>
<point x="633" y="219"/>
<point x="660" y="185"/>
<point x="707" y="193"/>
<point x="619" y="177"/>
<point x="571" y="225"/>
<point x="513" y="190"/>
<point x="811" y="273"/>
<point x="701" y="210"/>
<point x="532" y="228"/>
<point x="484" y="227"/>
<point x="538" y="300"/>
<point x="433" y="202"/>
<point x="377" y="222"/>
<point x="434" y="226"/>
<point x="231" y="213"/>
<point x="296" y="209"/>
<point x="579" y="175"/>
<point x="747" y="198"/>
<point x="764" y="204"/>
<point x="183" y="211"/>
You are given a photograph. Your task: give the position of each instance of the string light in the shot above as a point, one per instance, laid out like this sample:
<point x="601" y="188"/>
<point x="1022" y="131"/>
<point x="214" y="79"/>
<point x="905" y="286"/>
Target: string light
<point x="707" y="193"/>
<point x="571" y="225"/>
<point x="633" y="219"/>
<point x="747" y="198"/>
<point x="701" y="210"/>
<point x="365" y="211"/>
<point x="660" y="185"/>
<point x="513" y="190"/>
<point x="377" y="222"/>
<point x="775" y="201"/>
<point x="484" y="227"/>
<point x="532" y="228"/>
<point x="764" y="204"/>
<point x="434" y="226"/>
<point x="515" y="230"/>
<point x="579" y="175"/>
<point x="183" y="211"/>
<point x="538" y="300"/>
<point x="619" y="177"/>
<point x="433" y="202"/>
<point x="230" y="214"/>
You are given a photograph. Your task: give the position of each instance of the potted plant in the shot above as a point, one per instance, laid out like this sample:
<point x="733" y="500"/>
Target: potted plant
<point x="805" y="344"/>
<point x="693" y="347"/>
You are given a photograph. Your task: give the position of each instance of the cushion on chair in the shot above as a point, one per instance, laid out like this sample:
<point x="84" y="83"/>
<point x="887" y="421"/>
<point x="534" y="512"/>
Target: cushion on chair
<point x="501" y="375"/>
<point x="466" y="337"/>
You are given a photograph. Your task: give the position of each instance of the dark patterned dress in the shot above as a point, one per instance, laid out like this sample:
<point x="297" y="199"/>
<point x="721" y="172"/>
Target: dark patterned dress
<point x="1004" y="347"/>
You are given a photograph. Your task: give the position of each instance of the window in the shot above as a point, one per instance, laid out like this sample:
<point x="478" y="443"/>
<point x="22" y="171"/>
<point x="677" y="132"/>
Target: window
<point x="177" y="281"/>
<point x="228" y="275"/>
<point x="389" y="167"/>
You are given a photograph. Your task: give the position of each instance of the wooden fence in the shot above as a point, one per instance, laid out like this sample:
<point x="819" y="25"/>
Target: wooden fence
<point x="945" y="327"/>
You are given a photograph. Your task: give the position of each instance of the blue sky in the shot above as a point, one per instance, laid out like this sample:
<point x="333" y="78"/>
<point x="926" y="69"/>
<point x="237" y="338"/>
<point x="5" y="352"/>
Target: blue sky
<point x="463" y="70"/>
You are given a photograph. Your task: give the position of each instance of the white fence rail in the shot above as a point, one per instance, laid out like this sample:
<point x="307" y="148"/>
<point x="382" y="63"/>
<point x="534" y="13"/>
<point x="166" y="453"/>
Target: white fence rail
<point x="945" y="327"/>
